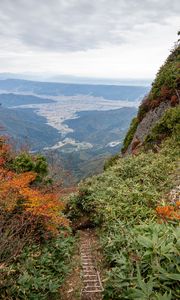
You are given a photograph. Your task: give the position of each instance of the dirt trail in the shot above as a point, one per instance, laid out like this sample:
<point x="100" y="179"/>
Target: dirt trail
<point x="84" y="282"/>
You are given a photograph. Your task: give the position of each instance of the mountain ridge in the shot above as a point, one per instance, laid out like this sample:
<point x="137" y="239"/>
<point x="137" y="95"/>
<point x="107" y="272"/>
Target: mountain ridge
<point x="110" y="92"/>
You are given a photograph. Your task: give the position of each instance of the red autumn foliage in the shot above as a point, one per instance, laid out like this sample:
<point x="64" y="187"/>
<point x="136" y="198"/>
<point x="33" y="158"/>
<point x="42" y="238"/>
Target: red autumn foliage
<point x="169" y="212"/>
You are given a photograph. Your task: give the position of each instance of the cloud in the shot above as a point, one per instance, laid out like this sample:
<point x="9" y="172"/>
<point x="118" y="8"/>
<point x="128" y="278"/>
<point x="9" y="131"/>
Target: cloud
<point x="78" y="25"/>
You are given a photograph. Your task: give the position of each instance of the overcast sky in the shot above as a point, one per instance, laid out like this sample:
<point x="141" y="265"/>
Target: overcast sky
<point x="92" y="38"/>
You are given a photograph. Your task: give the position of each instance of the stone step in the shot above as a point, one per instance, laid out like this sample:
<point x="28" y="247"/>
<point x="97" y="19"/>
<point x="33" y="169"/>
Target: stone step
<point x="90" y="276"/>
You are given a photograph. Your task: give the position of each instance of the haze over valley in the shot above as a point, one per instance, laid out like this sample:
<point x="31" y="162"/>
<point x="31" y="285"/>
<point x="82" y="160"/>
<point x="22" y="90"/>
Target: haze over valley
<point x="81" y="123"/>
<point x="89" y="149"/>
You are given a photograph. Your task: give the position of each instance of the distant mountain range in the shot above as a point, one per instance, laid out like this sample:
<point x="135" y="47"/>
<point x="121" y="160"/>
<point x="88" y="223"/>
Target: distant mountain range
<point x="80" y="124"/>
<point x="110" y="92"/>
<point x="76" y="79"/>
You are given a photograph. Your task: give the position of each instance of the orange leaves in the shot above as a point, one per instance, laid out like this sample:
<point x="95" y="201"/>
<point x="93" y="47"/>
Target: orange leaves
<point x="178" y="204"/>
<point x="15" y="187"/>
<point x="46" y="205"/>
<point x="16" y="190"/>
<point x="11" y="187"/>
<point x="2" y="161"/>
<point x="169" y="211"/>
<point x="19" y="181"/>
<point x="23" y="180"/>
<point x="165" y="211"/>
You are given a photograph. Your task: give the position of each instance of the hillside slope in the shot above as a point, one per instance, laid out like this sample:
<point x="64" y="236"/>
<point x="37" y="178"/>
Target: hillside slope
<point x="135" y="201"/>
<point x="27" y="129"/>
<point x="165" y="93"/>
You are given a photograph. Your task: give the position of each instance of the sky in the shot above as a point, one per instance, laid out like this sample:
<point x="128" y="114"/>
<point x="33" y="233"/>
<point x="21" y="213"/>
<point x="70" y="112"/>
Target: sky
<point x="117" y="39"/>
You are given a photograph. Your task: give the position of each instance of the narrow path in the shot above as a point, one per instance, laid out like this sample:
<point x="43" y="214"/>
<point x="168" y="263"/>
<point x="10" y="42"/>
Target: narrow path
<point x="84" y="282"/>
<point x="92" y="286"/>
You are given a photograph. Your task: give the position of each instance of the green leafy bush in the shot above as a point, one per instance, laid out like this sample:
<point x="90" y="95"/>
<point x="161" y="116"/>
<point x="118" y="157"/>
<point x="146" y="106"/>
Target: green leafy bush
<point x="166" y="84"/>
<point x="24" y="162"/>
<point x="168" y="74"/>
<point x="147" y="265"/>
<point x="39" y="271"/>
<point x="168" y="125"/>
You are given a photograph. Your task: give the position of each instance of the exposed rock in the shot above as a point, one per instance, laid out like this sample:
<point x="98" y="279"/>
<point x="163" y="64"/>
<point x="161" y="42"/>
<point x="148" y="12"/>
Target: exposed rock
<point x="147" y="123"/>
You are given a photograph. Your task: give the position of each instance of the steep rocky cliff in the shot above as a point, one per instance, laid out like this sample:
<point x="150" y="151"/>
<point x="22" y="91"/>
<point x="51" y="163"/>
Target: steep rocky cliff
<point x="164" y="94"/>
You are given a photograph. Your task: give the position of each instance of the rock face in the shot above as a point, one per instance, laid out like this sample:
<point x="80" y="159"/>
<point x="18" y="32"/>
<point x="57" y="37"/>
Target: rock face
<point x="147" y="123"/>
<point x="165" y="93"/>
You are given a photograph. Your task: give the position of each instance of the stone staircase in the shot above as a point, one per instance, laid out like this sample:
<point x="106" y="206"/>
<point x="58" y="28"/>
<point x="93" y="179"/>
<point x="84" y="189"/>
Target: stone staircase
<point x="92" y="286"/>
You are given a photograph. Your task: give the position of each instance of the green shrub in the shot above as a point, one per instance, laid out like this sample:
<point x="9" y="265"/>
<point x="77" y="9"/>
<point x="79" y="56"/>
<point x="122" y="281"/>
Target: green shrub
<point x="168" y="125"/>
<point x="130" y="134"/>
<point x="24" y="162"/>
<point x="39" y="271"/>
<point x="168" y="74"/>
<point x="147" y="265"/>
<point x="165" y="84"/>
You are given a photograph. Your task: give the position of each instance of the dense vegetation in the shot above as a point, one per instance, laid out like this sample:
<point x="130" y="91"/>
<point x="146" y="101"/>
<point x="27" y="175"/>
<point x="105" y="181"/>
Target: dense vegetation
<point x="138" y="223"/>
<point x="135" y="203"/>
<point x="35" y="236"/>
<point x="165" y="88"/>
<point x="168" y="125"/>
